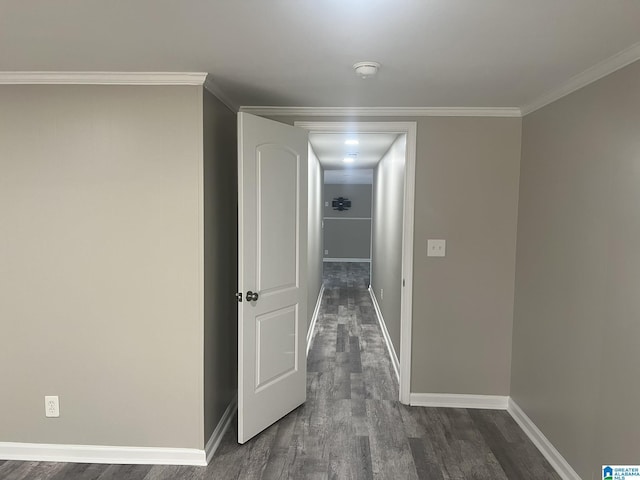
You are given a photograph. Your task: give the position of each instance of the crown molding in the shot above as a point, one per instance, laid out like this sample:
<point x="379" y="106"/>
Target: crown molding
<point x="102" y="78"/>
<point x="590" y="75"/>
<point x="383" y="111"/>
<point x="213" y="88"/>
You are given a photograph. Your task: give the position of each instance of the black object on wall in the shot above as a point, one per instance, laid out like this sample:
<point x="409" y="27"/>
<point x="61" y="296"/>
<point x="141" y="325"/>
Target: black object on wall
<point x="341" y="204"/>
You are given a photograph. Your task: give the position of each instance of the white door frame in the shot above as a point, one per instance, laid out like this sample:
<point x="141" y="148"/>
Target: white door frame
<point x="406" y="308"/>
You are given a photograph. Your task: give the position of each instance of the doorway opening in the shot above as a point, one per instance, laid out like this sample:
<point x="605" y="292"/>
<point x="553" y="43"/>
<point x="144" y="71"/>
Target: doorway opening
<point x="361" y="221"/>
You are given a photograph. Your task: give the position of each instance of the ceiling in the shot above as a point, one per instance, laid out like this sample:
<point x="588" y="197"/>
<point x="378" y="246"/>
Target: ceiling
<point x="331" y="149"/>
<point x="434" y="53"/>
<point x="350" y="176"/>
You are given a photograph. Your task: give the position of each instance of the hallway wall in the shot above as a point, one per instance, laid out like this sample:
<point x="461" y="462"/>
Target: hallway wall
<point x="576" y="329"/>
<point x="220" y="183"/>
<point x="388" y="221"/>
<point x="314" y="238"/>
<point x="467" y="172"/>
<point x="347" y="233"/>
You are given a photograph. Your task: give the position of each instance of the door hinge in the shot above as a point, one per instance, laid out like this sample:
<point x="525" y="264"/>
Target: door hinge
<point x="403" y="282"/>
<point x="239" y="296"/>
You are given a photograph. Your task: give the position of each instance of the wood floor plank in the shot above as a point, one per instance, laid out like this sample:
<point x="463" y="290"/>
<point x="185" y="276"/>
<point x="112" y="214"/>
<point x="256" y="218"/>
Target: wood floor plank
<point x="279" y="462"/>
<point x="125" y="472"/>
<point x="426" y="463"/>
<point x="390" y="451"/>
<point x="170" y="472"/>
<point x="517" y="456"/>
<point x="14" y="470"/>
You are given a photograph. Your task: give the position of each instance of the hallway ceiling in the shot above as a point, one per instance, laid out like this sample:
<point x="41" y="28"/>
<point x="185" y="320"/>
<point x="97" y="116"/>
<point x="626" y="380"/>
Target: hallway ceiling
<point x="434" y="53"/>
<point x="331" y="149"/>
<point x="354" y="176"/>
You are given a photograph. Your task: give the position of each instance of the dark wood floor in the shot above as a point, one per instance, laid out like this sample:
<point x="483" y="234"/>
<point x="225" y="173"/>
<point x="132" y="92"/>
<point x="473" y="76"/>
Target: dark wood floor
<point x="352" y="426"/>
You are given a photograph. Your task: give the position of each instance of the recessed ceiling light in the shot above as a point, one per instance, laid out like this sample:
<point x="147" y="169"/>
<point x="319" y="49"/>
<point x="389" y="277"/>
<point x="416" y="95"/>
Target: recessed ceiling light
<point x="351" y="142"/>
<point x="348" y="159"/>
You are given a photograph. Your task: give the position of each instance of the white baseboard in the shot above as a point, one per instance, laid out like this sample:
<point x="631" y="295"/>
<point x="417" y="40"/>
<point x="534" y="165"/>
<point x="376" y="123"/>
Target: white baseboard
<point x="385" y="334"/>
<point x="41" y="452"/>
<point x="314" y="318"/>
<point x="450" y="400"/>
<point x="547" y="449"/>
<point x="347" y="260"/>
<point x="220" y="430"/>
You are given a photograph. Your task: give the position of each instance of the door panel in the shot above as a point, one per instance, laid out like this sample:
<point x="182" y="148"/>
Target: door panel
<point x="278" y="173"/>
<point x="276" y="345"/>
<point x="272" y="236"/>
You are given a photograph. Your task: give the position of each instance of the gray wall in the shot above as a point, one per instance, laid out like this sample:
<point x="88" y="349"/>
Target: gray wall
<point x="101" y="264"/>
<point x="314" y="238"/>
<point x="576" y="328"/>
<point x="346" y="234"/>
<point x="388" y="215"/>
<point x="467" y="173"/>
<point x="220" y="260"/>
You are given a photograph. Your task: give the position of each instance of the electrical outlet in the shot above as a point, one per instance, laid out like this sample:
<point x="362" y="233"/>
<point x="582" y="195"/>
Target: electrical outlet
<point x="326" y="252"/>
<point x="436" y="248"/>
<point x="382" y="294"/>
<point x="51" y="406"/>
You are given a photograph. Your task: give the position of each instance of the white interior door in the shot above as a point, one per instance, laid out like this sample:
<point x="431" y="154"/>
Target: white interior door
<point x="272" y="252"/>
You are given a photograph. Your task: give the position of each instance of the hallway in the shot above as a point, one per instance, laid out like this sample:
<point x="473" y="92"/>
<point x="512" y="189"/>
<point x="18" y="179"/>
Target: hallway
<point x="352" y="425"/>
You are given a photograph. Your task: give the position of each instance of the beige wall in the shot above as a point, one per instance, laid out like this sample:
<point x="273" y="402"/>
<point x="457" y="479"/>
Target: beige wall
<point x="359" y="194"/>
<point x="100" y="266"/>
<point x="314" y="234"/>
<point x="388" y="222"/>
<point x="576" y="329"/>
<point x="346" y="234"/>
<point x="467" y="173"/>
<point x="220" y="260"/>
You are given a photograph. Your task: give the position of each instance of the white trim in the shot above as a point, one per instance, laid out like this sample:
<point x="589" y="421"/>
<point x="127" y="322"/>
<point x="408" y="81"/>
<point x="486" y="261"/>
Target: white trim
<point x="590" y="75"/>
<point x="547" y="449"/>
<point x="451" y="400"/>
<point x="406" y="304"/>
<point x="348" y="260"/>
<point x="314" y="319"/>
<point x="383" y="111"/>
<point x="347" y="218"/>
<point x="385" y="334"/>
<point x="220" y="430"/>
<point x="102" y="78"/>
<point x="42" y="452"/>
<point x="213" y="88"/>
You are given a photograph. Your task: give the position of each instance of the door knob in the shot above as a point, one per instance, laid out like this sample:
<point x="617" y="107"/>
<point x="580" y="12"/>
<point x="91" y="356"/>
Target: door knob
<point x="252" y="296"/>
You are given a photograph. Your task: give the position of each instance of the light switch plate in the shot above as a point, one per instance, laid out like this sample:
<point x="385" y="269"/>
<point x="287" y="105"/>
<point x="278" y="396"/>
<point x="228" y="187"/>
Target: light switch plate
<point x="436" y="248"/>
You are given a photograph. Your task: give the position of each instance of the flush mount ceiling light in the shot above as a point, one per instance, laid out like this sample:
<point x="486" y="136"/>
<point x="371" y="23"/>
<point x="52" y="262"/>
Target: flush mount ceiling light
<point x="351" y="142"/>
<point x="350" y="158"/>
<point x="366" y="69"/>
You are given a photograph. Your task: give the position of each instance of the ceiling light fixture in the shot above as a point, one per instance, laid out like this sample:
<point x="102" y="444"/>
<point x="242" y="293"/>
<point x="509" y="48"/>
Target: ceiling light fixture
<point x="366" y="69"/>
<point x="351" y="142"/>
<point x="348" y="159"/>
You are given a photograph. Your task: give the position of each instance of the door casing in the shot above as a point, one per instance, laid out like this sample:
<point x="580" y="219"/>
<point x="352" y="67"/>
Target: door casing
<point x="406" y="308"/>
